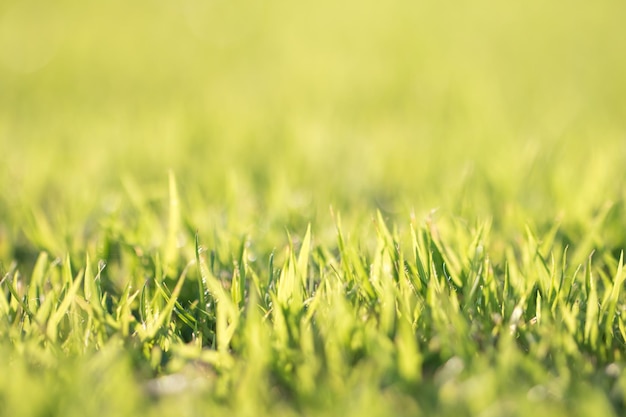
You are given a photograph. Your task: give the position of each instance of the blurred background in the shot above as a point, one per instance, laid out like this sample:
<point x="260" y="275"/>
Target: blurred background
<point x="269" y="112"/>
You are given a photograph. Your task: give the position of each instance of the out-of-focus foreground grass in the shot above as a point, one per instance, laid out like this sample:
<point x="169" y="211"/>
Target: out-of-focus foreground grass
<point x="269" y="113"/>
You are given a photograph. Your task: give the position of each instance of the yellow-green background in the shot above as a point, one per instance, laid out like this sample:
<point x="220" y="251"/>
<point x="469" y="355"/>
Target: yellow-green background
<point x="354" y="98"/>
<point x="272" y="111"/>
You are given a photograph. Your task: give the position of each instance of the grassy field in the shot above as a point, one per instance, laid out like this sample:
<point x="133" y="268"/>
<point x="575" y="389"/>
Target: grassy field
<point x="329" y="208"/>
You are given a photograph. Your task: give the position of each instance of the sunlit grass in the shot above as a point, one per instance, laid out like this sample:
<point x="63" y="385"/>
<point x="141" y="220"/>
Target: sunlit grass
<point x="334" y="208"/>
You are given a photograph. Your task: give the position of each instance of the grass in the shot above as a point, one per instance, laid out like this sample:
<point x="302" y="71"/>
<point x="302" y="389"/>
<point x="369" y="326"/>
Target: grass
<point x="329" y="208"/>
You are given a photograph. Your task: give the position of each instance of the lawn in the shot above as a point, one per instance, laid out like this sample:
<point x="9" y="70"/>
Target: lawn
<point x="329" y="208"/>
